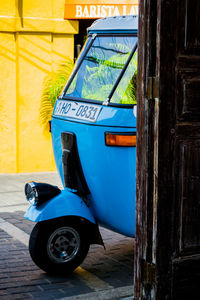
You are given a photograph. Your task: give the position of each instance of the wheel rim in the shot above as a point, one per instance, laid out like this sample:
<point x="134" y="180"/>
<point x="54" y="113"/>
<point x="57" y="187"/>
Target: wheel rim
<point x="63" y="244"/>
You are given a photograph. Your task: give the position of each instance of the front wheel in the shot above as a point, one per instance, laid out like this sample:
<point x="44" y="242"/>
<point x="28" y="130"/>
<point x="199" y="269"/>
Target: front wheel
<point x="58" y="247"/>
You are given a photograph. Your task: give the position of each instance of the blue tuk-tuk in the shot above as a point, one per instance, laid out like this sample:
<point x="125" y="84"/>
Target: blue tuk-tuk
<point x="93" y="131"/>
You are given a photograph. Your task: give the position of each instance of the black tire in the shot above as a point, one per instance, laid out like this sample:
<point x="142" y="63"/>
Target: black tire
<point x="58" y="247"/>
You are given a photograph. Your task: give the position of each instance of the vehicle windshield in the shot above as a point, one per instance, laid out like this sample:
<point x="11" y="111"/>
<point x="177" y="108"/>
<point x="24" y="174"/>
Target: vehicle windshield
<point x="125" y="93"/>
<point x="101" y="68"/>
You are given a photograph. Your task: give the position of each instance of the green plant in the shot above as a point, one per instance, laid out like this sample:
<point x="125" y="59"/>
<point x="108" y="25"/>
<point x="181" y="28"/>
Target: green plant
<point x="52" y="87"/>
<point x="126" y="91"/>
<point x="96" y="84"/>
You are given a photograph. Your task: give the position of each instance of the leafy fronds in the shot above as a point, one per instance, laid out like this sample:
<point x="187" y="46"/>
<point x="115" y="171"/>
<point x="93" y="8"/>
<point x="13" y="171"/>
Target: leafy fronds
<point x="52" y="87"/>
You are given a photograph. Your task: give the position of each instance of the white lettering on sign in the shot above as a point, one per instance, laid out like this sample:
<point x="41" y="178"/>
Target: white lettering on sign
<point x="134" y="10"/>
<point x="86" y="12"/>
<point x="78" y="11"/>
<point x="92" y="11"/>
<point x="110" y="8"/>
<point x="102" y="11"/>
<point x="124" y="10"/>
<point x="116" y="12"/>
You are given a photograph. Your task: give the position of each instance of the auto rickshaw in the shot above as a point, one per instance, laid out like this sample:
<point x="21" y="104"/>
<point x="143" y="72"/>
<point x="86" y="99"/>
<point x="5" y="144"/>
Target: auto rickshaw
<point x="93" y="130"/>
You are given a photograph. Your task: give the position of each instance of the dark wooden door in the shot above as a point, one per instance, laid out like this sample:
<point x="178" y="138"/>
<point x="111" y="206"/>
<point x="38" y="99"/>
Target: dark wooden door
<point x="167" y="249"/>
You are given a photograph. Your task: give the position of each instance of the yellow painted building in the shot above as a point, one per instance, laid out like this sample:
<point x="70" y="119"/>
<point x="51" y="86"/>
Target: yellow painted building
<point x="34" y="39"/>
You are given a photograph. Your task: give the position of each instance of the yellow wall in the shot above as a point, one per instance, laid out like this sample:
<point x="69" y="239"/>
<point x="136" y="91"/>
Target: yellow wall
<point x="34" y="39"/>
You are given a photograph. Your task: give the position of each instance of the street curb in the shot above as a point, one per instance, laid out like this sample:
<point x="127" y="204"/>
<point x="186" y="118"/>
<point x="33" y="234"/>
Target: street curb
<point x="124" y="293"/>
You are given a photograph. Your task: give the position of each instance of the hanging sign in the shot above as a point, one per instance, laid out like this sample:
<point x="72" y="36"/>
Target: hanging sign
<point x="91" y="9"/>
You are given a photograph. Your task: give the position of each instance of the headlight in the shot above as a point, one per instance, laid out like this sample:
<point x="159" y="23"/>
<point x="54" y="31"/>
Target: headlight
<point x="31" y="193"/>
<point x="37" y="193"/>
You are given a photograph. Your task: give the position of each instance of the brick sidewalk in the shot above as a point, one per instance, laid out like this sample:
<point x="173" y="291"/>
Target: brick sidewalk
<point x="103" y="275"/>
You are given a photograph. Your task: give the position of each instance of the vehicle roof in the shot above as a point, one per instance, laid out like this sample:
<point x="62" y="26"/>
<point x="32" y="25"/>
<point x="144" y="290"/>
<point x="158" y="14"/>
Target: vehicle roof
<point x="119" y="23"/>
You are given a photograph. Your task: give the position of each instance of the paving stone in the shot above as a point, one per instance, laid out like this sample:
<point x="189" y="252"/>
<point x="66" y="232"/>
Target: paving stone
<point x="23" y="289"/>
<point x="15" y="297"/>
<point x="20" y="278"/>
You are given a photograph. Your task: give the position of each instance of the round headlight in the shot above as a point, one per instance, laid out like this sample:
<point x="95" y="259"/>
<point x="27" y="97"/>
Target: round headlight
<point x="31" y="193"/>
<point x="38" y="192"/>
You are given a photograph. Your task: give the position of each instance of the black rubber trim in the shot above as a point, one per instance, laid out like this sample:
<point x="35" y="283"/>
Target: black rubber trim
<point x="98" y="102"/>
<point x="121" y="74"/>
<point x="64" y="97"/>
<point x="72" y="170"/>
<point x="78" y="64"/>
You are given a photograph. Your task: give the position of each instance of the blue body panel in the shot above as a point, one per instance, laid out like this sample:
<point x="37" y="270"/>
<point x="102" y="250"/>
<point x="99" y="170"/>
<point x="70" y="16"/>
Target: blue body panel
<point x="109" y="171"/>
<point x="121" y="24"/>
<point x="65" y="204"/>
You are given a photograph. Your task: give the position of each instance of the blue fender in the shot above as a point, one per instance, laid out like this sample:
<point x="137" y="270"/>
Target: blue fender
<point x="64" y="204"/>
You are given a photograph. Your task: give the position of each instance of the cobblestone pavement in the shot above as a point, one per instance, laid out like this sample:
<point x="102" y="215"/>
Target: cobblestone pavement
<point x="105" y="274"/>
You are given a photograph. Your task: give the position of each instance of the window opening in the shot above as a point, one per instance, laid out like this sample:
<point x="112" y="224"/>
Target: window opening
<point x="101" y="67"/>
